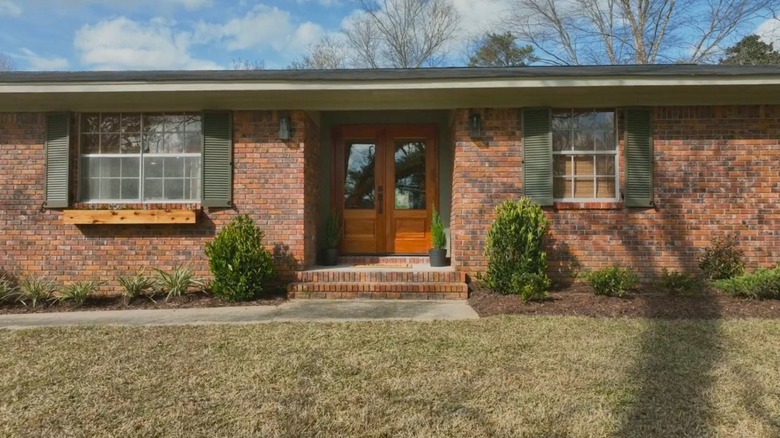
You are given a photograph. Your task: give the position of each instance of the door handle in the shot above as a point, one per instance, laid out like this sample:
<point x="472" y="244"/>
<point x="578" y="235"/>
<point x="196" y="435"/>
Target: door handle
<point x="380" y="199"/>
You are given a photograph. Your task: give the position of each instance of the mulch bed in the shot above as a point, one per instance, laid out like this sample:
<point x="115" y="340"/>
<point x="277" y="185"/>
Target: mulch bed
<point x="188" y="301"/>
<point x="579" y="300"/>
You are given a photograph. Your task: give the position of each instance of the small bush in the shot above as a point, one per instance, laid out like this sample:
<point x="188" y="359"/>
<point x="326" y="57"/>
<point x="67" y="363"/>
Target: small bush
<point x="612" y="281"/>
<point x="722" y="259"/>
<point x="762" y="284"/>
<point x="517" y="262"/>
<point x="241" y="265"/>
<point x="79" y="291"/>
<point x="438" y="236"/>
<point x="679" y="283"/>
<point x="177" y="282"/>
<point x="35" y="290"/>
<point x="531" y="287"/>
<point x="136" y="285"/>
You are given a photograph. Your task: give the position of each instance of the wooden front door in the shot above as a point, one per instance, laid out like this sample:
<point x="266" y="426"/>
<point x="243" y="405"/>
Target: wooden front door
<point x="385" y="187"/>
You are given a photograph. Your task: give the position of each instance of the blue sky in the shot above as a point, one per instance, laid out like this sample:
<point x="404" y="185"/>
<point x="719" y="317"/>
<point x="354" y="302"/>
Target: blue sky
<point x="192" y="34"/>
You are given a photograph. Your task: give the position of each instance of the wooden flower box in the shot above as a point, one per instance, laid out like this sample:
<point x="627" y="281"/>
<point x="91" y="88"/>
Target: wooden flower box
<point x="129" y="216"/>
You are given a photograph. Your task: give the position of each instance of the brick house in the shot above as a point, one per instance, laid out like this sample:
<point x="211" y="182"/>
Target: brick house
<point x="107" y="172"/>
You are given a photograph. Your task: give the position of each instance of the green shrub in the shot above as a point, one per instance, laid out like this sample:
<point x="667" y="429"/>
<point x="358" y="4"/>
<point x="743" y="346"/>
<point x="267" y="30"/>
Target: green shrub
<point x="34" y="290"/>
<point x="679" y="283"/>
<point x="177" y="282"/>
<point x="531" y="287"/>
<point x="332" y="230"/>
<point x="612" y="281"/>
<point x="79" y="291"/>
<point x="517" y="262"/>
<point x="438" y="236"/>
<point x="722" y="259"/>
<point x="241" y="265"/>
<point x="136" y="285"/>
<point x="762" y="284"/>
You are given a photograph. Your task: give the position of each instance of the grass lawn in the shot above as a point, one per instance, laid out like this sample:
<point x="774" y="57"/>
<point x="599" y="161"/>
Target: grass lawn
<point x="505" y="376"/>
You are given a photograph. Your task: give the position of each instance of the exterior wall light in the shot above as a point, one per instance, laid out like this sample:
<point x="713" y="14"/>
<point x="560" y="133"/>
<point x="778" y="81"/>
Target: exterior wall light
<point x="475" y="125"/>
<point x="285" y="128"/>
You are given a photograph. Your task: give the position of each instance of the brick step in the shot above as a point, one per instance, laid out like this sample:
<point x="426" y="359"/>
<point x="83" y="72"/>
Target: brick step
<point x="373" y="276"/>
<point x="383" y="260"/>
<point x="384" y="290"/>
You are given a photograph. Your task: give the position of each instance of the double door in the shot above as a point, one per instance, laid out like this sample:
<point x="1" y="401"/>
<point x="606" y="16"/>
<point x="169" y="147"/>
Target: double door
<point x="385" y="187"/>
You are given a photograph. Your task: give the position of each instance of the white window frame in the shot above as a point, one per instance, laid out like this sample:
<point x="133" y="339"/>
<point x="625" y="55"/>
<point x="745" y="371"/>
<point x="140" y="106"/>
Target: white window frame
<point x="574" y="153"/>
<point x="82" y="187"/>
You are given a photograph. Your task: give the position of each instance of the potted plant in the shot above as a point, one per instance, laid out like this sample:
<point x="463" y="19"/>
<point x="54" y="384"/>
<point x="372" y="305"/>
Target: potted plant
<point x="438" y="254"/>
<point x="332" y="239"/>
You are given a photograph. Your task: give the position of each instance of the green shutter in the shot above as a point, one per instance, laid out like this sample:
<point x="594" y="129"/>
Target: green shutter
<point x="57" y="160"/>
<point x="217" y="159"/>
<point x="639" y="157"/>
<point x="537" y="156"/>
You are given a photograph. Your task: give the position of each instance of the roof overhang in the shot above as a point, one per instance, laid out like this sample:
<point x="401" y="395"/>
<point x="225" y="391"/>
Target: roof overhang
<point x="387" y="89"/>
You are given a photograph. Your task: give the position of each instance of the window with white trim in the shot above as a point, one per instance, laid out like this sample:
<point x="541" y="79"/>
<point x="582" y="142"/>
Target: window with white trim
<point x="585" y="156"/>
<point x="134" y="157"/>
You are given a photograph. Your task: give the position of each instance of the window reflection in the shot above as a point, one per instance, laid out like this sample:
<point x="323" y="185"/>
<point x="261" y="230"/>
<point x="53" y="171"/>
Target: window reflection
<point x="410" y="175"/>
<point x="359" y="187"/>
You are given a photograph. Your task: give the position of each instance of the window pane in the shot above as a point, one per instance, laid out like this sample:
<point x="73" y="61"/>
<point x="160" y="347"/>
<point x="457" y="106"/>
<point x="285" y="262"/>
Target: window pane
<point x="583" y="140"/>
<point x="410" y="175"/>
<point x="130" y="189"/>
<point x="173" y="143"/>
<point x="192" y="142"/>
<point x="131" y="123"/>
<point x="153" y="143"/>
<point x="110" y="189"/>
<point x="561" y="165"/>
<point x="175" y="122"/>
<point x="90" y="143"/>
<point x="93" y="190"/>
<point x="109" y="167"/>
<point x="130" y="144"/>
<point x="561" y="188"/>
<point x="109" y="123"/>
<point x="192" y="167"/>
<point x="173" y="189"/>
<point x="583" y="165"/>
<point x="173" y="167"/>
<point x="604" y="140"/>
<point x="152" y="189"/>
<point x="193" y="123"/>
<point x="192" y="188"/>
<point x="359" y="184"/>
<point x="90" y="123"/>
<point x="154" y="123"/>
<point x="153" y="167"/>
<point x="109" y="143"/>
<point x="561" y="140"/>
<point x="561" y="120"/>
<point x="605" y="164"/>
<point x="130" y="167"/>
<point x="583" y="188"/>
<point x="606" y="188"/>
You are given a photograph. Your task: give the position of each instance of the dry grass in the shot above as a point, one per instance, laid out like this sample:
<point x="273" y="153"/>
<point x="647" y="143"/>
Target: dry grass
<point x="511" y="376"/>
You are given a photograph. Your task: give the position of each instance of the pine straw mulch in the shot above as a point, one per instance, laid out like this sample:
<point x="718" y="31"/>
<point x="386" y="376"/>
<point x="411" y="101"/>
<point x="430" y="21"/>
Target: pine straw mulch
<point x="647" y="302"/>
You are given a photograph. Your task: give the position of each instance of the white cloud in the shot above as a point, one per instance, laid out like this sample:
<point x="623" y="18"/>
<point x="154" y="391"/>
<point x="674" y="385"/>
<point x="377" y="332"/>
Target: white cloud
<point x="40" y="63"/>
<point x="769" y="31"/>
<point x="9" y="8"/>
<point x="124" y="44"/>
<point x="262" y="27"/>
<point x="477" y="17"/>
<point x="191" y="5"/>
<point x="326" y="3"/>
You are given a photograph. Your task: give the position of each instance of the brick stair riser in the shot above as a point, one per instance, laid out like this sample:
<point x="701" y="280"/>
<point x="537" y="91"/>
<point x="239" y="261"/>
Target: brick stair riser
<point x="378" y="277"/>
<point x="379" y="295"/>
<point x="383" y="260"/>
<point x="423" y="288"/>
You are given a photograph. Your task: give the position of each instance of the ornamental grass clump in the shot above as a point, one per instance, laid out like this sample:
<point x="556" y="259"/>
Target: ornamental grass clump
<point x="136" y="285"/>
<point x="517" y="261"/>
<point x="177" y="282"/>
<point x="241" y="265"/>
<point x="79" y="292"/>
<point x="34" y="290"/>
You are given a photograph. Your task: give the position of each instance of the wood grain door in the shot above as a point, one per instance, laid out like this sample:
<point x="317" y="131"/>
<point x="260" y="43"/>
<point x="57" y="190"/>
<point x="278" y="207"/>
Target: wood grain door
<point x="385" y="187"/>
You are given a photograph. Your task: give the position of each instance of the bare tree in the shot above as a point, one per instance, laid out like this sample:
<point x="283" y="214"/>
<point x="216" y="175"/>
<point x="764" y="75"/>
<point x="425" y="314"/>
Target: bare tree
<point x="6" y="64"/>
<point x="572" y="32"/>
<point x="389" y="33"/>
<point x="328" y="53"/>
<point x="245" y="64"/>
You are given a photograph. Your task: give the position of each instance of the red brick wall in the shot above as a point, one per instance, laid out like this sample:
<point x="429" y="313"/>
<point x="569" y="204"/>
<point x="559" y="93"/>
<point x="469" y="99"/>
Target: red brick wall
<point x="270" y="184"/>
<point x="716" y="171"/>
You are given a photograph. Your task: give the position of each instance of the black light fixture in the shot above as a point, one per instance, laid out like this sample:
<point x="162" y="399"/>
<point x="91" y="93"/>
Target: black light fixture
<point x="475" y="125"/>
<point x="285" y="127"/>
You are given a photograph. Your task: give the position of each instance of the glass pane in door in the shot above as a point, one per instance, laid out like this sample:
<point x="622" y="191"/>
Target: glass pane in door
<point x="410" y="175"/>
<point x="359" y="184"/>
